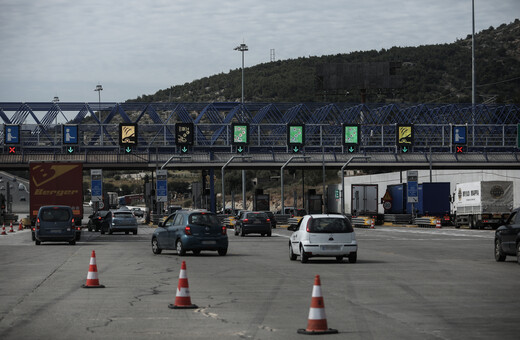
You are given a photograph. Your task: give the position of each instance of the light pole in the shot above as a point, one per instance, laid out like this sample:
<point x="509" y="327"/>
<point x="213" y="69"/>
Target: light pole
<point x="242" y="48"/>
<point x="99" y="88"/>
<point x="281" y="178"/>
<point x="343" y="180"/>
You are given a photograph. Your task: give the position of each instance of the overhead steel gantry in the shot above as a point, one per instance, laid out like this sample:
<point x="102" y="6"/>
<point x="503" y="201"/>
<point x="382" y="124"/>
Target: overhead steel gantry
<point x="492" y="138"/>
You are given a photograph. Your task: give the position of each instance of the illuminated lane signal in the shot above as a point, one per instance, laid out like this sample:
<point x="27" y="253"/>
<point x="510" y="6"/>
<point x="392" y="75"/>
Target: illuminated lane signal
<point x="69" y="134"/>
<point x="11" y="134"/>
<point x="70" y="149"/>
<point x="295" y="137"/>
<point x="128" y="134"/>
<point x="351" y="137"/>
<point x="184" y="133"/>
<point x="12" y="150"/>
<point x="459" y="138"/>
<point x="404" y="137"/>
<point x="240" y="136"/>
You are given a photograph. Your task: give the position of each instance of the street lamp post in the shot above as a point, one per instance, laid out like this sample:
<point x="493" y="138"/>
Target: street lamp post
<point x="343" y="180"/>
<point x="99" y="88"/>
<point x="242" y="48"/>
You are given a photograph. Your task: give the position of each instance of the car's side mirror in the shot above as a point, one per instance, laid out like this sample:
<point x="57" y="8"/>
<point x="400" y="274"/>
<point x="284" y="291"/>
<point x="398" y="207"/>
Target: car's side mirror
<point x="161" y="225"/>
<point x="292" y="228"/>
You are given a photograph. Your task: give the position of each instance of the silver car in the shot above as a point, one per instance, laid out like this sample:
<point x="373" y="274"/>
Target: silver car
<point x="123" y="220"/>
<point x="323" y="236"/>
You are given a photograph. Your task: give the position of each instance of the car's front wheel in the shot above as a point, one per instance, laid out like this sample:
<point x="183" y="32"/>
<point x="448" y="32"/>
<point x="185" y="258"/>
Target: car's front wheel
<point x="180" y="248"/>
<point x="155" y="246"/>
<point x="499" y="254"/>
<point x="292" y="255"/>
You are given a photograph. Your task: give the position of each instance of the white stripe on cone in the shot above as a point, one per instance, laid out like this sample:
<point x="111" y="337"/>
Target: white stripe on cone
<point x="183" y="292"/>
<point x="182" y="274"/>
<point x="92" y="260"/>
<point x="317" y="314"/>
<point x="316" y="291"/>
<point x="92" y="275"/>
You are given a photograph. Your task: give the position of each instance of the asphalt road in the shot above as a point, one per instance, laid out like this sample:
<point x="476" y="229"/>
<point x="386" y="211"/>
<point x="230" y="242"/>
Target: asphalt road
<point x="407" y="284"/>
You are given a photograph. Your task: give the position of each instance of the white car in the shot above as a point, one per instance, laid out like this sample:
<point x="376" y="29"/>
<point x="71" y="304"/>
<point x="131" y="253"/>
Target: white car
<point x="323" y="236"/>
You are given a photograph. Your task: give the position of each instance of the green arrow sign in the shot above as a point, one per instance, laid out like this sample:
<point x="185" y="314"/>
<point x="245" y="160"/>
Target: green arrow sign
<point x="184" y="149"/>
<point x="405" y="149"/>
<point x="240" y="149"/>
<point x="295" y="149"/>
<point x="128" y="149"/>
<point x="70" y="149"/>
<point x="351" y="149"/>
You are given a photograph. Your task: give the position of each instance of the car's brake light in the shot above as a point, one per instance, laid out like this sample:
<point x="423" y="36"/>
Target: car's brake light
<point x="268" y="220"/>
<point x="224" y="230"/>
<point x="187" y="230"/>
<point x="38" y="224"/>
<point x="246" y="220"/>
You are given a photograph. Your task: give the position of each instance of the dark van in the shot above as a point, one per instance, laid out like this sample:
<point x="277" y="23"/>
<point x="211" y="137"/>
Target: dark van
<point x="55" y="223"/>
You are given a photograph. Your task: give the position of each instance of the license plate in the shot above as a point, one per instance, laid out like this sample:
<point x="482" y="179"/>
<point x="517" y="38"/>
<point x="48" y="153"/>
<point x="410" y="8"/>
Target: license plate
<point x="330" y="247"/>
<point x="209" y="242"/>
<point x="257" y="222"/>
<point x="56" y="231"/>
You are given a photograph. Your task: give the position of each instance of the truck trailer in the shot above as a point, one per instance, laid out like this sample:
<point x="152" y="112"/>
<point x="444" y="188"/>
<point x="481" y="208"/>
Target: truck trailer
<point x="54" y="183"/>
<point x="483" y="203"/>
<point x="433" y="204"/>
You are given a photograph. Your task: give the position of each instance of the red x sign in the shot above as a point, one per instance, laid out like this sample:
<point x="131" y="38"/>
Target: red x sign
<point x="12" y="149"/>
<point x="460" y="149"/>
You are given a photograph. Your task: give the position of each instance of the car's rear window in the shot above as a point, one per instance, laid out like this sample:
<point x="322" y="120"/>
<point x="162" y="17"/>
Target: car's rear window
<point x="330" y="225"/>
<point x="204" y="219"/>
<point x="262" y="216"/>
<point x="123" y="215"/>
<point x="55" y="215"/>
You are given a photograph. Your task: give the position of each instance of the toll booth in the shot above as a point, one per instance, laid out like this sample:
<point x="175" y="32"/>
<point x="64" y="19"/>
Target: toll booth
<point x="313" y="202"/>
<point x="261" y="201"/>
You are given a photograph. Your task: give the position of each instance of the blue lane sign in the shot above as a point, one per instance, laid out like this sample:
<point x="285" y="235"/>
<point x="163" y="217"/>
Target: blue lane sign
<point x="162" y="185"/>
<point x="11" y="134"/>
<point x="412" y="187"/>
<point x="460" y="134"/>
<point x="70" y="134"/>
<point x="96" y="176"/>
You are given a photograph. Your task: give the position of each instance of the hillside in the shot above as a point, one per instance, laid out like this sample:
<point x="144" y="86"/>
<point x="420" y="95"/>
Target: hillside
<point x="431" y="73"/>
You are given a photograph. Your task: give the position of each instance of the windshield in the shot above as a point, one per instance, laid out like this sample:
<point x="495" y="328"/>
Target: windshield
<point x="330" y="225"/>
<point x="204" y="219"/>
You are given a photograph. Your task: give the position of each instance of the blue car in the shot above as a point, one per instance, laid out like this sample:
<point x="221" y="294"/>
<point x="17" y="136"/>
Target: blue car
<point x="190" y="230"/>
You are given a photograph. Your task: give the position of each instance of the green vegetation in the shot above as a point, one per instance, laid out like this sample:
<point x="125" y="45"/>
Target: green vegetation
<point x="431" y="73"/>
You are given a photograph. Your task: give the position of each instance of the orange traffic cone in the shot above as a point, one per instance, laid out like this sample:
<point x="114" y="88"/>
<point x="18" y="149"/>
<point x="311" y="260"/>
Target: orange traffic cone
<point x="3" y="230"/>
<point x="438" y="224"/>
<point x="11" y="230"/>
<point x="20" y="227"/>
<point x="182" y="298"/>
<point x="317" y="323"/>
<point x="92" y="276"/>
<point x="372" y="224"/>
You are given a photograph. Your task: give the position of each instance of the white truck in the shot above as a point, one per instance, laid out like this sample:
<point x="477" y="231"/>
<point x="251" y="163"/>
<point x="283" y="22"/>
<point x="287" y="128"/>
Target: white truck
<point x="482" y="204"/>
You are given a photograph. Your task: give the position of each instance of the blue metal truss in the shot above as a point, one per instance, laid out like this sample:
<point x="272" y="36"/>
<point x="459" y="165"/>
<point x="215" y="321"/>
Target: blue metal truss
<point x="491" y="125"/>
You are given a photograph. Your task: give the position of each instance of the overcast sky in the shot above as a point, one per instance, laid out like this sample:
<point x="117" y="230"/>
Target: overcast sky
<point x="133" y="47"/>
